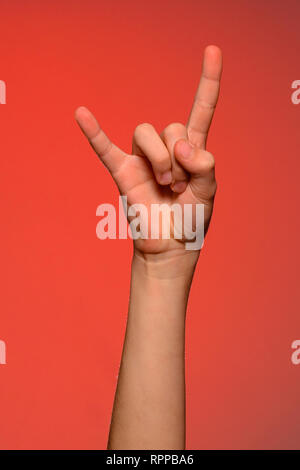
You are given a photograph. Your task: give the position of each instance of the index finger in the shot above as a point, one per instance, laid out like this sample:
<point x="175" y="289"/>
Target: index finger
<point x="110" y="154"/>
<point x="206" y="97"/>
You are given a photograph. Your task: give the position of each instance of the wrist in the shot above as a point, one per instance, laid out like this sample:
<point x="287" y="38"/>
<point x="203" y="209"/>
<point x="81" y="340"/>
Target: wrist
<point x="170" y="265"/>
<point x="161" y="284"/>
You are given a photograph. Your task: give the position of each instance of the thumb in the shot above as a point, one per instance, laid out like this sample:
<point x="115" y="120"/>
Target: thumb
<point x="196" y="161"/>
<point x="199" y="163"/>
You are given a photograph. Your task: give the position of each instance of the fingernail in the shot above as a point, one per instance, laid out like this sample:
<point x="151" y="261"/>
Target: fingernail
<point x="165" y="178"/>
<point x="185" y="149"/>
<point x="179" y="186"/>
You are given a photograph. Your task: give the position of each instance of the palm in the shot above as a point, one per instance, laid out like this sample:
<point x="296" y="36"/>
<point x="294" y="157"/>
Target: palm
<point x="137" y="182"/>
<point x="139" y="175"/>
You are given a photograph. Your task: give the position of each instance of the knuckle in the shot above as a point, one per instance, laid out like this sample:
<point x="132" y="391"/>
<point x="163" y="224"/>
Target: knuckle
<point x="204" y="104"/>
<point x="174" y="128"/>
<point x="142" y="129"/>
<point x="207" y="162"/>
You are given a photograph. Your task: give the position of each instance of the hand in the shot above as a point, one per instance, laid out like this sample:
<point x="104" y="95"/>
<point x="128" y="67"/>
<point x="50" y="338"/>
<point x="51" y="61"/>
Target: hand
<point x="173" y="167"/>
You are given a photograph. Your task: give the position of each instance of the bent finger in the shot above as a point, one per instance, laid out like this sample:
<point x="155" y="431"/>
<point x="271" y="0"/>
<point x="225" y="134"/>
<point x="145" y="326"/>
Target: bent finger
<point x="170" y="135"/>
<point x="147" y="142"/>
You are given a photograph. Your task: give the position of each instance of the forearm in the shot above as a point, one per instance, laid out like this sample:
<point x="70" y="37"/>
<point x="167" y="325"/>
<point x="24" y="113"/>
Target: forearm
<point x="149" y="408"/>
<point x="172" y="171"/>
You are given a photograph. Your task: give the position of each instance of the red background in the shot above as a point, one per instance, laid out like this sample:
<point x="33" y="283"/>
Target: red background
<point x="64" y="293"/>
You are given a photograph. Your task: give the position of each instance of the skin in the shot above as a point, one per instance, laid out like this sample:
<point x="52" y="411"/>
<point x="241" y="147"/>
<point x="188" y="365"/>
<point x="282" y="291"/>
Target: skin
<point x="173" y="167"/>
